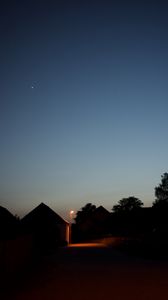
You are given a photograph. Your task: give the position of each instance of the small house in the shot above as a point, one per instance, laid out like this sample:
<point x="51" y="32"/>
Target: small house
<point x="47" y="228"/>
<point x="95" y="225"/>
<point x="8" y="224"/>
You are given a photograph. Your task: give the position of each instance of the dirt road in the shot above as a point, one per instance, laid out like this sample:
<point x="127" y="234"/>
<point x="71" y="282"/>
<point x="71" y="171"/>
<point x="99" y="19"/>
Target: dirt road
<point x="94" y="272"/>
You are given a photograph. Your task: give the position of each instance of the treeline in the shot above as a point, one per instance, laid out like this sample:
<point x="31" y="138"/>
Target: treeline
<point x="128" y="218"/>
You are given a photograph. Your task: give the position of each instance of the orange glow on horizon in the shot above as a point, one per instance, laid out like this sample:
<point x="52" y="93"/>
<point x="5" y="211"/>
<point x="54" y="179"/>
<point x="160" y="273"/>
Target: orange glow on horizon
<point x="87" y="245"/>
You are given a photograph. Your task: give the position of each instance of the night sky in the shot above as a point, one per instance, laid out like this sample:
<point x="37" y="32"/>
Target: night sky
<point x="84" y="102"/>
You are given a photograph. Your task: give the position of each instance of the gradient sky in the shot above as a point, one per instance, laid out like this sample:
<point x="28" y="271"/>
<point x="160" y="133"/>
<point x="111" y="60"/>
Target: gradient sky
<point x="84" y="102"/>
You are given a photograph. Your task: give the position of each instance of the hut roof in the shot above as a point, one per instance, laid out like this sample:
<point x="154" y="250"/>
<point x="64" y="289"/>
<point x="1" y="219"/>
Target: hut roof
<point x="8" y="223"/>
<point x="43" y="213"/>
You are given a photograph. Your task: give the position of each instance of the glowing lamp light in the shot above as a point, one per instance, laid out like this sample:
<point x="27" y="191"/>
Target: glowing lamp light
<point x="71" y="215"/>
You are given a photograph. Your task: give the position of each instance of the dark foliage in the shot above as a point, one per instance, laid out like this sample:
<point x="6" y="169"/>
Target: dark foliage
<point x="127" y="205"/>
<point x="84" y="213"/>
<point x="161" y="193"/>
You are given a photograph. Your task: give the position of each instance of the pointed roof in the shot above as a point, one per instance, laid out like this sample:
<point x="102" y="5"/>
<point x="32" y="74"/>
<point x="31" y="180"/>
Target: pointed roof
<point x="102" y="209"/>
<point x="8" y="223"/>
<point x="5" y="215"/>
<point x="100" y="213"/>
<point x="42" y="213"/>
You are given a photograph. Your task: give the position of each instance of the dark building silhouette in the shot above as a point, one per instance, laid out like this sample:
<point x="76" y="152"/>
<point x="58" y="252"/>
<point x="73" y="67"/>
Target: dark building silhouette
<point x="47" y="228"/>
<point x="94" y="225"/>
<point x="9" y="225"/>
<point x="15" y="247"/>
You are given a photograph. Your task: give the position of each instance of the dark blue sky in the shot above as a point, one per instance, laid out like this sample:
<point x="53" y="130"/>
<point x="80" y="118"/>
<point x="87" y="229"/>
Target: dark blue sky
<point x="84" y="101"/>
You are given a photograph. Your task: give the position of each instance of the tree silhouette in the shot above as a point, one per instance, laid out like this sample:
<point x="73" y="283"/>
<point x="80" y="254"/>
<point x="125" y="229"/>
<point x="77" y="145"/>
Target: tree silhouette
<point x="84" y="213"/>
<point x="161" y="193"/>
<point x="127" y="205"/>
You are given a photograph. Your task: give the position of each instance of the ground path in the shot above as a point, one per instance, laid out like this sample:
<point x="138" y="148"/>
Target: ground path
<point x="84" y="272"/>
